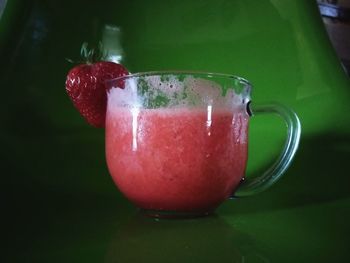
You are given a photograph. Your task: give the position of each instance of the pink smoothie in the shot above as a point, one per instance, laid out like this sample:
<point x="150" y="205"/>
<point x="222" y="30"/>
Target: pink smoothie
<point x="176" y="159"/>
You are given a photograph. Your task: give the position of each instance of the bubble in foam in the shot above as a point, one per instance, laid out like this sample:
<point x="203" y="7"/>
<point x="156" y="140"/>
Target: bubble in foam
<point x="169" y="85"/>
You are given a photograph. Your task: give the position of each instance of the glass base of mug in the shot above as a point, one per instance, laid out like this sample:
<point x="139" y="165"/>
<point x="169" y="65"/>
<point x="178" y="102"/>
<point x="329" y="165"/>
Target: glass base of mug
<point x="174" y="214"/>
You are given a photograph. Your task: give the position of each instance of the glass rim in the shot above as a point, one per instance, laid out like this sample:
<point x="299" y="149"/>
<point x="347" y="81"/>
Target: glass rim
<point x="179" y="72"/>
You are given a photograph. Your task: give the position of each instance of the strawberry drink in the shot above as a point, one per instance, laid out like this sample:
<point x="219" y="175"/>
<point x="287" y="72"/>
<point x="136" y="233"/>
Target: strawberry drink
<point x="176" y="142"/>
<point x="179" y="146"/>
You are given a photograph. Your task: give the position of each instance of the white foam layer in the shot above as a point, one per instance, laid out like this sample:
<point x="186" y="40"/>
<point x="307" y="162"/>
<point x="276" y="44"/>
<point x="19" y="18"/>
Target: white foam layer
<point x="168" y="91"/>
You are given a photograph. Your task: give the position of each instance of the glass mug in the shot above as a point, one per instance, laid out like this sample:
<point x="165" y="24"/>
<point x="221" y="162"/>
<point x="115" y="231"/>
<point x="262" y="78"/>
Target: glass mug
<point x="176" y="142"/>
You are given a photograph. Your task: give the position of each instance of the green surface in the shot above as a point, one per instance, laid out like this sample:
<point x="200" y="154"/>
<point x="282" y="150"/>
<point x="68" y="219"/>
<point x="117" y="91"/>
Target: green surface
<point x="60" y="205"/>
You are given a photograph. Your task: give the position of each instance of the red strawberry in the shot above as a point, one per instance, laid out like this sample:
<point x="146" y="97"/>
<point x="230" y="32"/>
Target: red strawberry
<point x="85" y="86"/>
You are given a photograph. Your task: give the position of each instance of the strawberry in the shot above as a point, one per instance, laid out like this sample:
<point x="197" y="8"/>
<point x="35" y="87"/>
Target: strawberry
<point x="85" y="87"/>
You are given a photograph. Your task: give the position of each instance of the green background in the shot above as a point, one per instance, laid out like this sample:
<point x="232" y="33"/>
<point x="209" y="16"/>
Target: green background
<point x="60" y="204"/>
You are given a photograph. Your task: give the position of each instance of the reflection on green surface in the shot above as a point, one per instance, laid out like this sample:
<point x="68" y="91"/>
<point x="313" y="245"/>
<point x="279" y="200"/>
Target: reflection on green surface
<point x="310" y="233"/>
<point x="97" y="229"/>
<point x="210" y="239"/>
<point x="60" y="203"/>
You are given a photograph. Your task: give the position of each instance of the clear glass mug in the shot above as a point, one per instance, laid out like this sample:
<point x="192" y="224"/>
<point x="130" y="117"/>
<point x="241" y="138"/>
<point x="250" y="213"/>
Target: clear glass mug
<point x="176" y="142"/>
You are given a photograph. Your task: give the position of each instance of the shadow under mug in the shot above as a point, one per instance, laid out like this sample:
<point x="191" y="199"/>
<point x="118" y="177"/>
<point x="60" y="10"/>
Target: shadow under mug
<point x="176" y="142"/>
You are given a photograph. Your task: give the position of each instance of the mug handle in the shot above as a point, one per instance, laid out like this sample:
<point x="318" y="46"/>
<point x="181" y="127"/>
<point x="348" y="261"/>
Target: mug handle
<point x="271" y="175"/>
